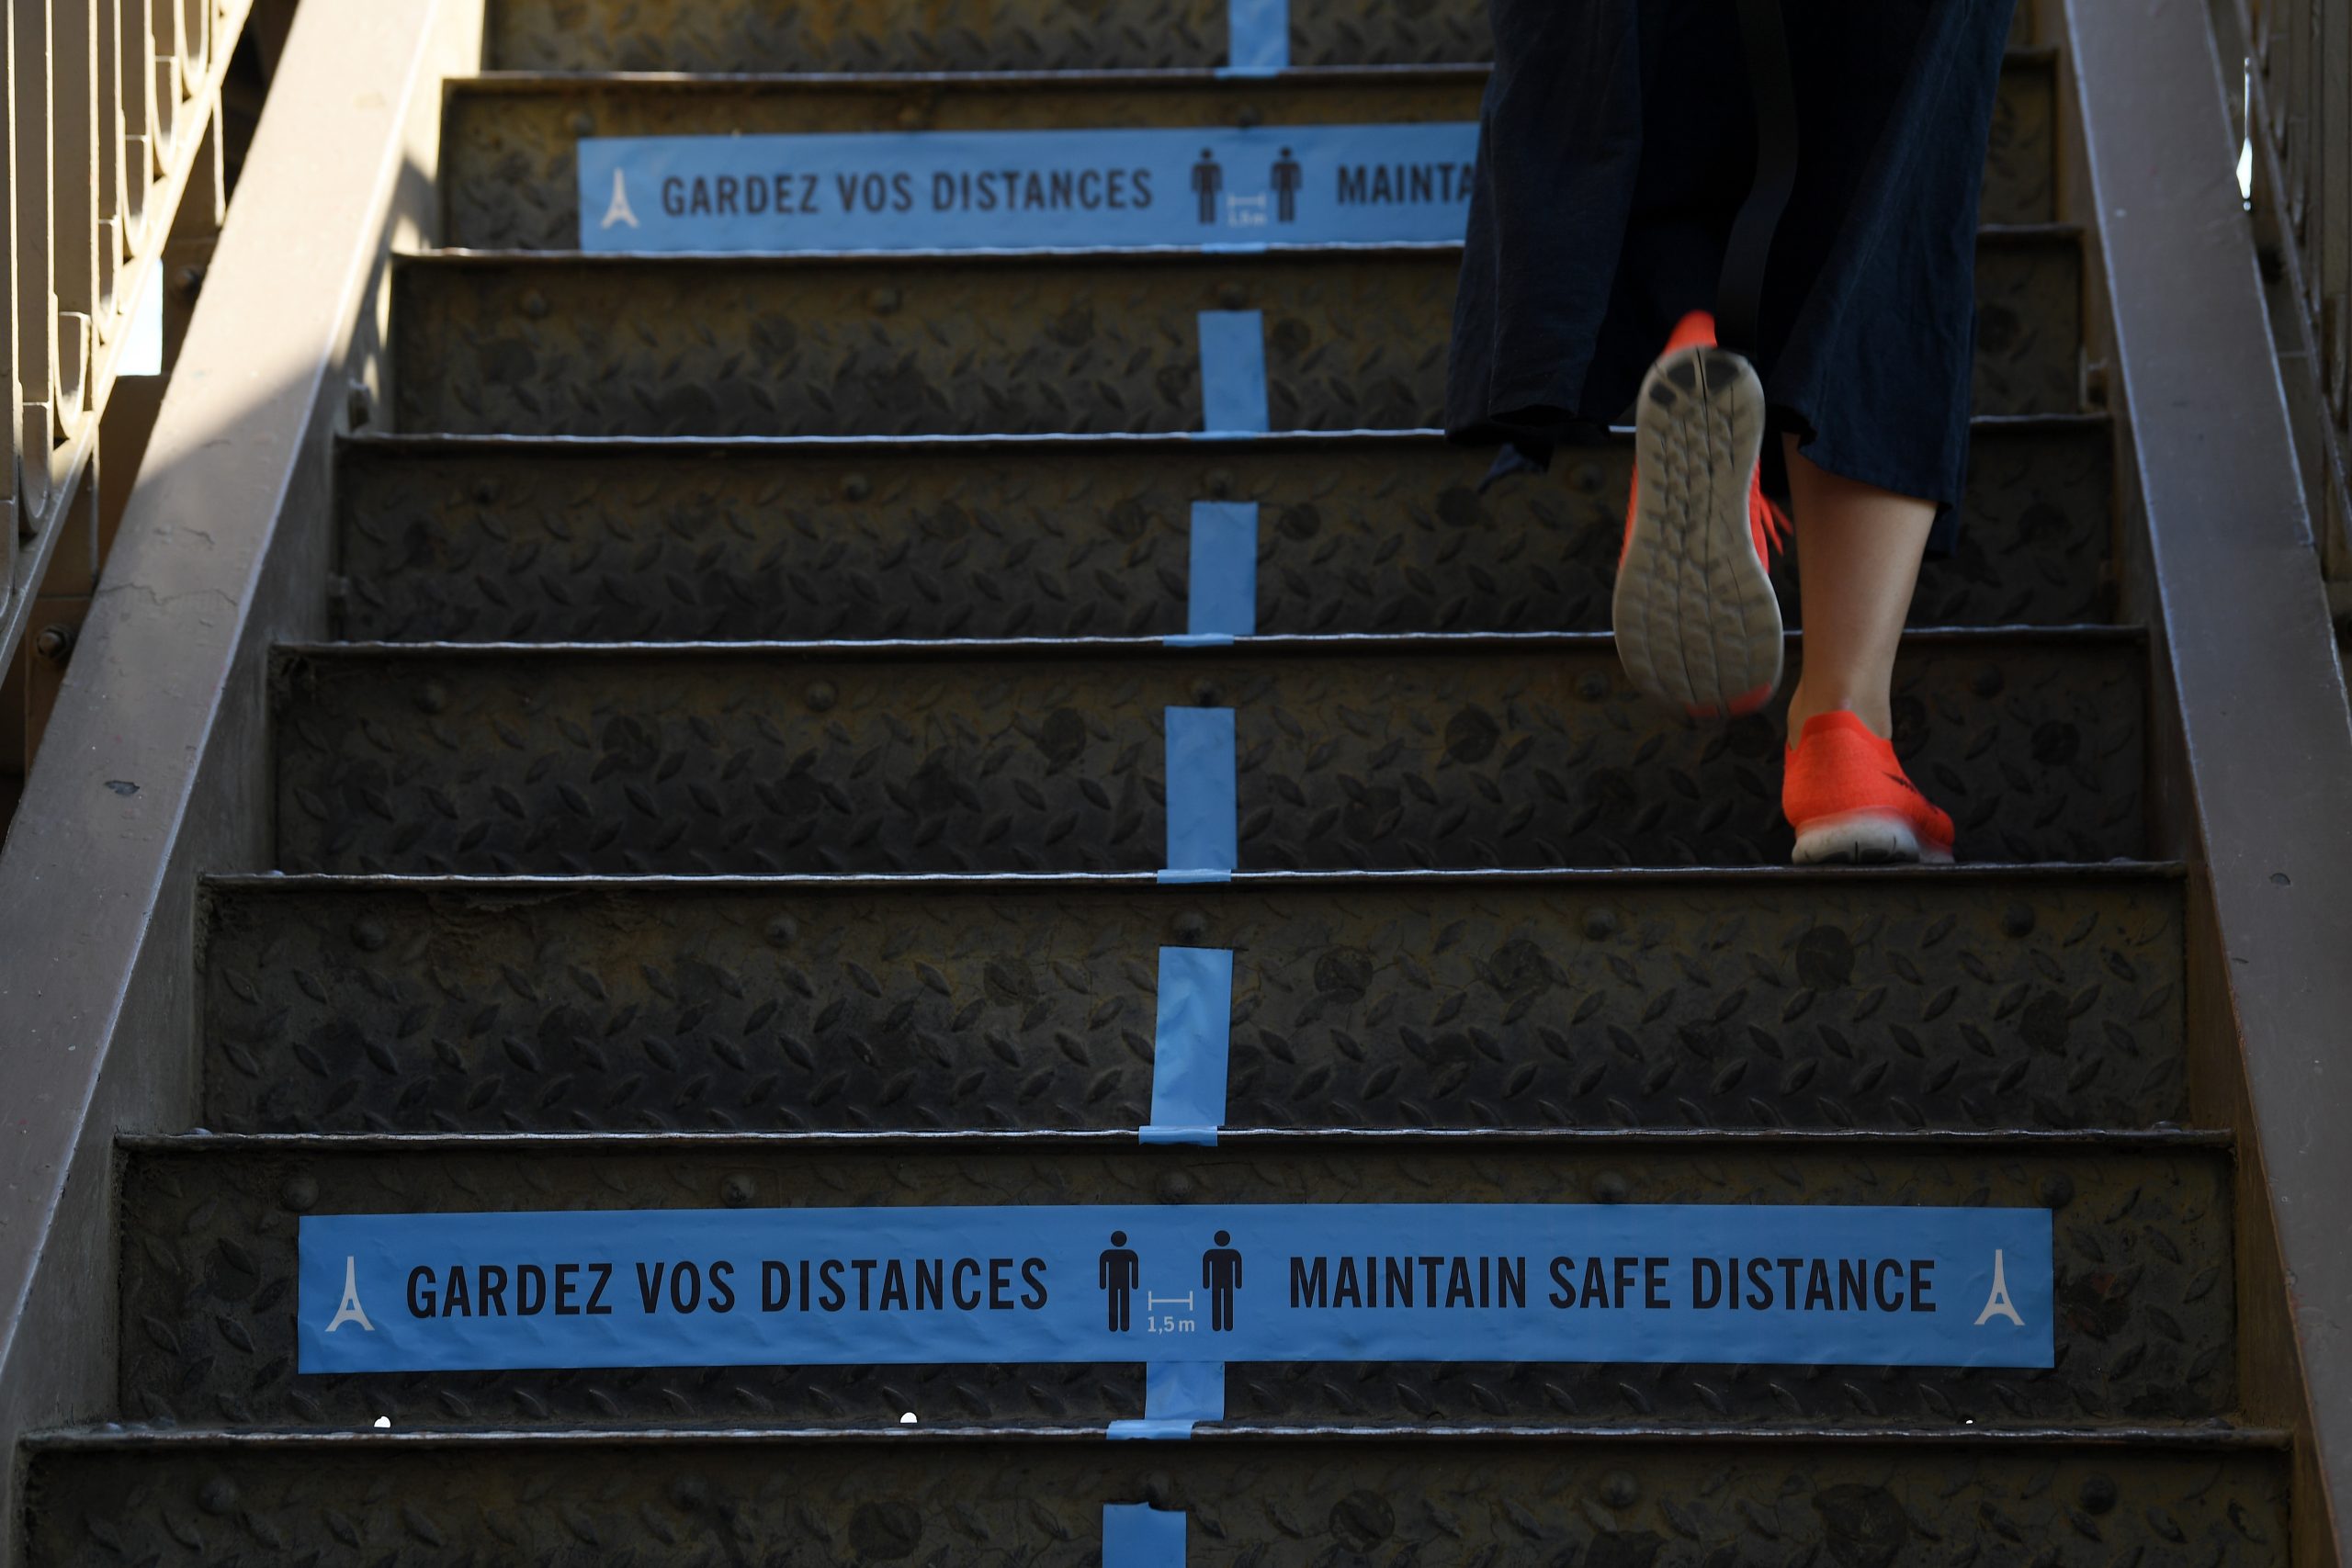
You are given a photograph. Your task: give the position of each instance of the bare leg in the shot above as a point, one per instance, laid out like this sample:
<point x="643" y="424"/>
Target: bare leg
<point x="1858" y="551"/>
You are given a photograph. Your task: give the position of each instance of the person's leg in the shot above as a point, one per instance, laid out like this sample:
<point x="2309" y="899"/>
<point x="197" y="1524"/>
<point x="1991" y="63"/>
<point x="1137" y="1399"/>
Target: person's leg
<point x="1858" y="549"/>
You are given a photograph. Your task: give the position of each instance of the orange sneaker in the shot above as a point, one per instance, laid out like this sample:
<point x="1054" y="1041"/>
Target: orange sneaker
<point x="1850" y="800"/>
<point x="1697" y="624"/>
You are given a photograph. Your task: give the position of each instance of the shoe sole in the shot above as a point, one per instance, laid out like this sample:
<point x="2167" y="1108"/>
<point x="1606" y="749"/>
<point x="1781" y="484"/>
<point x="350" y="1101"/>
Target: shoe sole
<point x="1866" y="838"/>
<point x="1698" y="625"/>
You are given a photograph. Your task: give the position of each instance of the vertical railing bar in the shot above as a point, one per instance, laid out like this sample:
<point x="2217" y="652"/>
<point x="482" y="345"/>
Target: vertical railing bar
<point x="2334" y="231"/>
<point x="74" y="202"/>
<point x="138" y="72"/>
<point x="33" y="170"/>
<point x="194" y="44"/>
<point x="110" y="250"/>
<point x="12" y="512"/>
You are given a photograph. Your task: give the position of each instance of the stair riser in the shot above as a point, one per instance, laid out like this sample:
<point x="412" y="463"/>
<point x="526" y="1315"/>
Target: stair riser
<point x="1355" y="339"/>
<point x="1249" y="1505"/>
<point x="714" y="761"/>
<point x="1815" y="1004"/>
<point x="2142" y="1247"/>
<point x="1093" y="538"/>
<point x="1007" y="35"/>
<point x="511" y="176"/>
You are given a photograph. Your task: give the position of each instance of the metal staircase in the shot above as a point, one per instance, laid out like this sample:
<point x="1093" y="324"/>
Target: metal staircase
<point x="742" y="785"/>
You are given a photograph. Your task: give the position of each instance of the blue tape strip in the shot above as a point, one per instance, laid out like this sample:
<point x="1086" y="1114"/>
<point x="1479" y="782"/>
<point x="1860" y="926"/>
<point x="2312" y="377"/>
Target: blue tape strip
<point x="1257" y="36"/>
<point x="1192" y="1046"/>
<point x="1136" y="1535"/>
<point x="1203" y="795"/>
<point x="1233" y="373"/>
<point x="1203" y="810"/>
<point x="1176" y="1396"/>
<point x="1222" y="601"/>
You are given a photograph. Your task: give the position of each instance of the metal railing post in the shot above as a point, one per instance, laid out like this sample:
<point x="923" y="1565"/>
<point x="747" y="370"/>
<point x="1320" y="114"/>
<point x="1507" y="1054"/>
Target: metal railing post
<point x="2299" y="57"/>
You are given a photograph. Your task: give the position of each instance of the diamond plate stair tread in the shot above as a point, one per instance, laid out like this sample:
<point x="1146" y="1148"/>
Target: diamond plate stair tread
<point x="517" y="344"/>
<point x="1001" y="35"/>
<point x="510" y="175"/>
<point x="1436" y="752"/>
<point x="2143" y="1249"/>
<point x="1249" y="1502"/>
<point x="458" y="540"/>
<point x="2020" y="999"/>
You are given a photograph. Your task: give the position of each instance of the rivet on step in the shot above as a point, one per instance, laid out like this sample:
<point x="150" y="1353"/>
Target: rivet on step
<point x="55" y="642"/>
<point x="535" y="304"/>
<point x="1620" y="1490"/>
<point x="737" y="1191"/>
<point x="368" y="934"/>
<point x="219" y="1496"/>
<point x="485" y="490"/>
<point x="688" y="1492"/>
<point x="1249" y="118"/>
<point x="1599" y="925"/>
<point x="2018" y="920"/>
<point x="432" y="697"/>
<point x="1159" y="1489"/>
<point x="1176" y="1187"/>
<point x="583" y="124"/>
<point x="1217" y="482"/>
<point x="2097" y="1494"/>
<point x="856" y="487"/>
<point x="297" y="1193"/>
<point x="820" y="696"/>
<point x="882" y="301"/>
<point x="1610" y="1187"/>
<point x="1190" y="927"/>
<point x="1207" y="694"/>
<point x="1990" y="682"/>
<point x="1232" y="297"/>
<point x="1592" y="686"/>
<point x="2057" y="1191"/>
<point x="782" y="930"/>
<point x="1585" y="477"/>
<point x="912" y="116"/>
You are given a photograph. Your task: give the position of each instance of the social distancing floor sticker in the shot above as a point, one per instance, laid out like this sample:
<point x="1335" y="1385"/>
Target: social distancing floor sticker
<point x="1212" y="1283"/>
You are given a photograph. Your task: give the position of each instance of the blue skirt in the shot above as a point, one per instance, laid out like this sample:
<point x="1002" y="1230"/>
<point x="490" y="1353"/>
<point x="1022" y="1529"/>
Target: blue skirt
<point x="1618" y="140"/>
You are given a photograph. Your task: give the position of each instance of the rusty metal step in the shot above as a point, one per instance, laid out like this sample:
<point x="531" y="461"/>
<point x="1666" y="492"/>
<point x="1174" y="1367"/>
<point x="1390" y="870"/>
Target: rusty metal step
<point x="1351" y="755"/>
<point x="1053" y="343"/>
<point x="394" y="1500"/>
<point x="2143" y="1246"/>
<point x="510" y="173"/>
<point x="462" y="539"/>
<point x="1002" y="35"/>
<point x="2024" y="998"/>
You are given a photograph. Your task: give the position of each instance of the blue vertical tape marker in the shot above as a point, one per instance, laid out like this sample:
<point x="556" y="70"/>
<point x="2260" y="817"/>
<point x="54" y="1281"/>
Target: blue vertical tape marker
<point x="1176" y="1396"/>
<point x="1233" y="373"/>
<point x="1136" y="1535"/>
<point x="1192" y="1045"/>
<point x="1221" y="603"/>
<point x="1204" y="802"/>
<point x="1257" y="37"/>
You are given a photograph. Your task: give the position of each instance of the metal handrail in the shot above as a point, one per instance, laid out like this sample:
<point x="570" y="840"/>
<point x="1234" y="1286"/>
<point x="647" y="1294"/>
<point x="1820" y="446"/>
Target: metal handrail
<point x="2299" y="128"/>
<point x="112" y="104"/>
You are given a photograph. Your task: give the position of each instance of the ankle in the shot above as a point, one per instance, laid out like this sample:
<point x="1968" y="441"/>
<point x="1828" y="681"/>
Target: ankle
<point x="1804" y="703"/>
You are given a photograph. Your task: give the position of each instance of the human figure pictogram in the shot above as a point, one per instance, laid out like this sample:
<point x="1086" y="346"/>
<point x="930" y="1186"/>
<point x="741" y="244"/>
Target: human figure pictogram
<point x="1221" y="1276"/>
<point x="1208" y="179"/>
<point x="1118" y="1273"/>
<point x="1288" y="177"/>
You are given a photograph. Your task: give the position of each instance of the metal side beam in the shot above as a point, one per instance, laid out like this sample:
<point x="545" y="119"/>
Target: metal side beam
<point x="2244" y="631"/>
<point x="152" y="769"/>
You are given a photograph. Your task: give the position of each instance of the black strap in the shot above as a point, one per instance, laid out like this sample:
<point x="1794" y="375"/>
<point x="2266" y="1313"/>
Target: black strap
<point x="1739" y="295"/>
